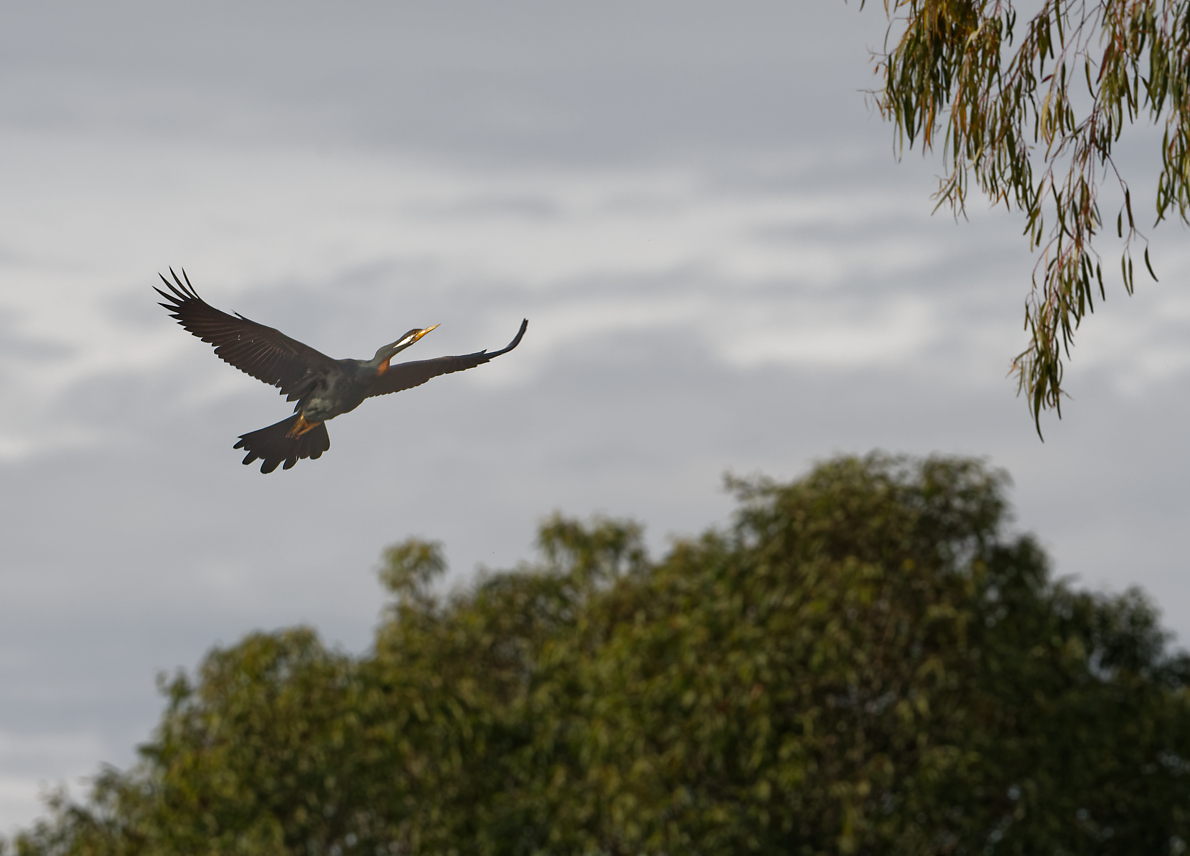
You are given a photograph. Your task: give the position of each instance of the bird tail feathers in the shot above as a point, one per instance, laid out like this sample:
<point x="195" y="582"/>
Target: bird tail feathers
<point x="281" y="442"/>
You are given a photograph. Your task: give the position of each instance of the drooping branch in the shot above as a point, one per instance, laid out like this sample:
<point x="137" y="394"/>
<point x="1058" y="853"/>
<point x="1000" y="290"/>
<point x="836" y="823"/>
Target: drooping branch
<point x="1006" y="98"/>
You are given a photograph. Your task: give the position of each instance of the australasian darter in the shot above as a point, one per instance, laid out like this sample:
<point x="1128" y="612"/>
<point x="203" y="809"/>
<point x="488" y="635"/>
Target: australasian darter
<point x="323" y="387"/>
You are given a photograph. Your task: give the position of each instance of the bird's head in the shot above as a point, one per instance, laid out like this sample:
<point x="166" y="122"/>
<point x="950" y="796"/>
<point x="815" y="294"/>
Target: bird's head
<point x="383" y="355"/>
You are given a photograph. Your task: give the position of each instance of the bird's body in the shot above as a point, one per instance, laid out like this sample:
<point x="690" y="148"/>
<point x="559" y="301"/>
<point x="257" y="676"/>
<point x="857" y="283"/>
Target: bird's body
<point x="322" y="387"/>
<point x="340" y="390"/>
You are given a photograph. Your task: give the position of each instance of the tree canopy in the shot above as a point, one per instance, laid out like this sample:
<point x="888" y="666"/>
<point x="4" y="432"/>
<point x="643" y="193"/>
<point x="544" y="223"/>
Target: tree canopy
<point x="866" y="660"/>
<point x="1029" y="109"/>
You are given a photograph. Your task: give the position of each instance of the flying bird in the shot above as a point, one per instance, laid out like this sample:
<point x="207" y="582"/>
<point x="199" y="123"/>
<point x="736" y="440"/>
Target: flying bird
<point x="322" y="387"/>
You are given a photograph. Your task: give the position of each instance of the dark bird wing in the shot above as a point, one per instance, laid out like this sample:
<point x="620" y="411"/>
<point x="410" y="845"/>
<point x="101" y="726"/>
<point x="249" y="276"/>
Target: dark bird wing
<point x="408" y="375"/>
<point x="263" y="352"/>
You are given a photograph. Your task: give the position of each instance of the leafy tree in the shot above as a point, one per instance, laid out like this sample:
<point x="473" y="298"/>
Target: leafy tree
<point x="865" y="661"/>
<point x="1030" y="110"/>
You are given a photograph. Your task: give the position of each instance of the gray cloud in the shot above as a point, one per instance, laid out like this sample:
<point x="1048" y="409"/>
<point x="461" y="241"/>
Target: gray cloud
<point x="524" y="82"/>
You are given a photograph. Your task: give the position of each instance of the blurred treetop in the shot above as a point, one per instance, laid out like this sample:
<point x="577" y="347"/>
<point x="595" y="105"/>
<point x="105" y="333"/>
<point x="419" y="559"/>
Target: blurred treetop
<point x="866" y="661"/>
<point x="1029" y="110"/>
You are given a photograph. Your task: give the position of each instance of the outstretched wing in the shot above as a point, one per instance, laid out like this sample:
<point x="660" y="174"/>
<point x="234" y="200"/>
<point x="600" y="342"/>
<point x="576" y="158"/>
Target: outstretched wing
<point x="266" y="354"/>
<point x="408" y="375"/>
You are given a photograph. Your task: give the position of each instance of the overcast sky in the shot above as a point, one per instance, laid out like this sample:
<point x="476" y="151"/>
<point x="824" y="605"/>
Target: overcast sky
<point x="723" y="265"/>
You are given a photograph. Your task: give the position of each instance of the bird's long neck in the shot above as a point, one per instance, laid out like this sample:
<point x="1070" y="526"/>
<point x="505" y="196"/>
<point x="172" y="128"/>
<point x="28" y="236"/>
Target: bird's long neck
<point x="380" y="363"/>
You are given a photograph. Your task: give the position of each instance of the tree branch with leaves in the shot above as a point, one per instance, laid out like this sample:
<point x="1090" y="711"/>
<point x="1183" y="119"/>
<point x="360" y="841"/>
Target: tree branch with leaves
<point x="1028" y="112"/>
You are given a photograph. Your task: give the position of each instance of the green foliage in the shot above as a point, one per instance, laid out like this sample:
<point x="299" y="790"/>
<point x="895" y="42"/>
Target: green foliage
<point x="865" y="661"/>
<point x="410" y="567"/>
<point x="1030" y="110"/>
